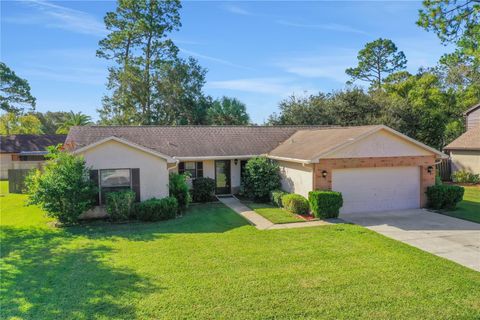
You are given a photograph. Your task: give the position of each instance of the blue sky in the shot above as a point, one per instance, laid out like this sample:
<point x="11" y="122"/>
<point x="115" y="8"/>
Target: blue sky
<point x="259" y="52"/>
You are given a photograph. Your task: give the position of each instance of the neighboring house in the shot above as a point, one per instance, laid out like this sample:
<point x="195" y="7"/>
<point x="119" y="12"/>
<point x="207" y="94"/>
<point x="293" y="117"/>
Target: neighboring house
<point x="472" y="117"/>
<point x="25" y="151"/>
<point x="375" y="167"/>
<point x="465" y="151"/>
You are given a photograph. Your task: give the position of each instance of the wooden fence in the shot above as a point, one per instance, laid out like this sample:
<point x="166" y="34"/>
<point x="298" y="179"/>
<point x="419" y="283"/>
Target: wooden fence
<point x="16" y="180"/>
<point x="444" y="169"/>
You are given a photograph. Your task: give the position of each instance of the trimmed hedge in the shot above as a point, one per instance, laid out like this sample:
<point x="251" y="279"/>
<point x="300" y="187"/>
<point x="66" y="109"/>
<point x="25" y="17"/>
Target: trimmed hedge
<point x="120" y="204"/>
<point x="295" y="203"/>
<point x="157" y="209"/>
<point x="325" y="204"/>
<point x="444" y="196"/>
<point x="276" y="197"/>
<point x="203" y="189"/>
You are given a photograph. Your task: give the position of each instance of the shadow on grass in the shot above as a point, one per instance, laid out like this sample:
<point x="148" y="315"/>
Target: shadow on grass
<point x="201" y="218"/>
<point x="46" y="275"/>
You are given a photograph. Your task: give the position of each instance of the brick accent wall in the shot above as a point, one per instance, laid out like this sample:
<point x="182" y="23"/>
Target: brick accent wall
<point x="426" y="179"/>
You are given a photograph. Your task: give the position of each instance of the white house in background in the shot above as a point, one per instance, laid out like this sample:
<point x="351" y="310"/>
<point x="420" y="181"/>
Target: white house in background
<point x="465" y="150"/>
<point x="375" y="167"/>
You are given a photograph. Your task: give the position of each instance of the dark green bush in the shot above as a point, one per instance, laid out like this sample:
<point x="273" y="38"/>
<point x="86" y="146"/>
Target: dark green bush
<point x="203" y="189"/>
<point x="120" y="204"/>
<point x="63" y="188"/>
<point x="325" y="204"/>
<point x="276" y="197"/>
<point x="178" y="189"/>
<point x="157" y="209"/>
<point x="261" y="176"/>
<point x="444" y="196"/>
<point x="295" y="203"/>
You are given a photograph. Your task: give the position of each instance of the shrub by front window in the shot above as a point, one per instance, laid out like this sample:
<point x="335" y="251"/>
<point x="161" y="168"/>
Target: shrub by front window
<point x="203" y="189"/>
<point x="63" y="189"/>
<point x="178" y="189"/>
<point x="295" y="203"/>
<point x="276" y="197"/>
<point x="325" y="204"/>
<point x="444" y="196"/>
<point x="156" y="209"/>
<point x="120" y="204"/>
<point x="261" y="176"/>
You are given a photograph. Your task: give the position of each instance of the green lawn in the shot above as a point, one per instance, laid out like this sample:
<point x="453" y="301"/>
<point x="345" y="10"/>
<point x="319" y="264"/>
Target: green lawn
<point x="469" y="208"/>
<point x="212" y="264"/>
<point x="272" y="213"/>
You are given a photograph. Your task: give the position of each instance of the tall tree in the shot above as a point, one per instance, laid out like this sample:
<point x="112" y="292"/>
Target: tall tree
<point x="74" y="119"/>
<point x="138" y="43"/>
<point x="455" y="21"/>
<point x="15" y="91"/>
<point x="51" y="120"/>
<point x="12" y="123"/>
<point x="377" y="60"/>
<point x="228" y="111"/>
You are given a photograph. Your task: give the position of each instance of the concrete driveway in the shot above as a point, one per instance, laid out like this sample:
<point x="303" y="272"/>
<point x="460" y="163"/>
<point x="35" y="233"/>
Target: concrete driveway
<point x="454" y="239"/>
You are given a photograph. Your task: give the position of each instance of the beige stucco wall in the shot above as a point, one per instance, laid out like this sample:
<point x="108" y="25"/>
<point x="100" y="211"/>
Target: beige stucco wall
<point x="380" y="144"/>
<point x="296" y="178"/>
<point x="465" y="160"/>
<point x="116" y="155"/>
<point x="5" y="164"/>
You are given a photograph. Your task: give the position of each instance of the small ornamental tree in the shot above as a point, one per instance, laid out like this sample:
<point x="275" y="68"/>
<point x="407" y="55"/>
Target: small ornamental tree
<point x="179" y="189"/>
<point x="262" y="176"/>
<point x="63" y="189"/>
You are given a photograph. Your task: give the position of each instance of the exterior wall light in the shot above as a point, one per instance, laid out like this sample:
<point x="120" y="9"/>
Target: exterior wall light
<point x="324" y="173"/>
<point x="430" y="169"/>
<point x="235" y="161"/>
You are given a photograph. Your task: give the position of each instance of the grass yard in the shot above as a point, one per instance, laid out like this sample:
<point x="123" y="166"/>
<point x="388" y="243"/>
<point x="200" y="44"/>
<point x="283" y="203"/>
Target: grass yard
<point x="272" y="213"/>
<point x="212" y="264"/>
<point x="469" y="208"/>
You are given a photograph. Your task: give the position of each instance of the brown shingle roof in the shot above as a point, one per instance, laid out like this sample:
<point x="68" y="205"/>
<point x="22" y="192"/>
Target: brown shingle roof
<point x="307" y="144"/>
<point x="470" y="140"/>
<point x="17" y="143"/>
<point x="190" y="141"/>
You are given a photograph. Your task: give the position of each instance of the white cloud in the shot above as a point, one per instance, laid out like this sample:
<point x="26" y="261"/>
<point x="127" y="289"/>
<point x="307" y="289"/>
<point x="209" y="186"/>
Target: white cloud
<point x="237" y="10"/>
<point x="60" y="17"/>
<point x="214" y="59"/>
<point x="81" y="75"/>
<point x="319" y="65"/>
<point x="275" y="86"/>
<point x="326" y="26"/>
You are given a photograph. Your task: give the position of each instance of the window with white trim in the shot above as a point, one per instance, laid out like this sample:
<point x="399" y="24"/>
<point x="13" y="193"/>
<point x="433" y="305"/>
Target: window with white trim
<point x="192" y="168"/>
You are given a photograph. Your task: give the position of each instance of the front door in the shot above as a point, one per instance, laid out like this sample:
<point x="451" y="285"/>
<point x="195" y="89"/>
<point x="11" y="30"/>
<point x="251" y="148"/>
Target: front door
<point x="222" y="177"/>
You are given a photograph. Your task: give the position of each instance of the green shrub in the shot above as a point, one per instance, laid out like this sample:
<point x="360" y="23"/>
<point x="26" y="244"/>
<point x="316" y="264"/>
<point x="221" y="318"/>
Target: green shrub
<point x="261" y="176"/>
<point x="438" y="180"/>
<point x="203" y="189"/>
<point x="295" y="203"/>
<point x="276" y="197"/>
<point x="120" y="204"/>
<point x="156" y="209"/>
<point x="63" y="189"/>
<point x="325" y="204"/>
<point x="444" y="196"/>
<point x="178" y="188"/>
<point x="465" y="177"/>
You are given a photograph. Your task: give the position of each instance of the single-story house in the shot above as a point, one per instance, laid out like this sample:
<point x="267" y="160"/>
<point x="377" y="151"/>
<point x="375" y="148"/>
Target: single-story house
<point x="465" y="151"/>
<point x="25" y="151"/>
<point x="375" y="167"/>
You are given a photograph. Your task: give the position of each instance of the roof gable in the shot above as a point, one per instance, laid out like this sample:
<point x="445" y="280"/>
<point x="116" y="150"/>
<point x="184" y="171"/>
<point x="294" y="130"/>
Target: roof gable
<point x="470" y="140"/>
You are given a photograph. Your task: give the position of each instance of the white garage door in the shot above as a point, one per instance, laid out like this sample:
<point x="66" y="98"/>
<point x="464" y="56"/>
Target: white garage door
<point x="377" y="189"/>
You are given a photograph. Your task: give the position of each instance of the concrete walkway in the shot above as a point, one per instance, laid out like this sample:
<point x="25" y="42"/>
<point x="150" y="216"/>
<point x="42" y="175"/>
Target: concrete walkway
<point x="260" y="222"/>
<point x="454" y="239"/>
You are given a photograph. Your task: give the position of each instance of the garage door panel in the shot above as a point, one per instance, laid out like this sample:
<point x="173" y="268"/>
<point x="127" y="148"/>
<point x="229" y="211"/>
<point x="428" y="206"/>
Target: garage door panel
<point x="377" y="189"/>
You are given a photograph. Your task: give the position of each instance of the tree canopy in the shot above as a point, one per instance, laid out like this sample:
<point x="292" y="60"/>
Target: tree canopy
<point x="376" y="60"/>
<point x="15" y="92"/>
<point x="228" y="111"/>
